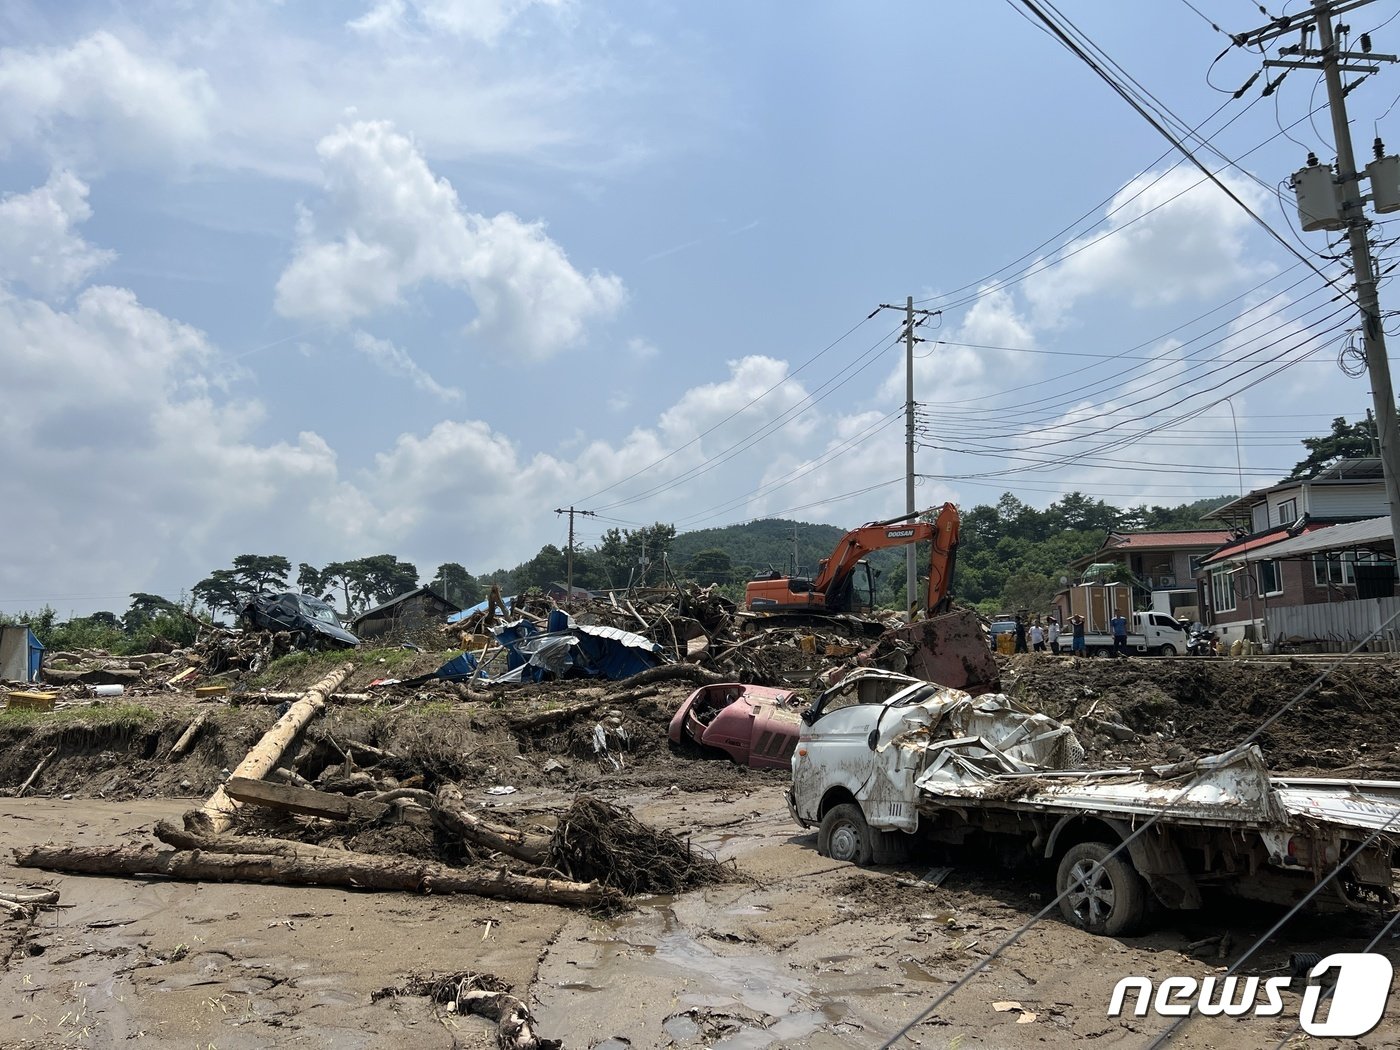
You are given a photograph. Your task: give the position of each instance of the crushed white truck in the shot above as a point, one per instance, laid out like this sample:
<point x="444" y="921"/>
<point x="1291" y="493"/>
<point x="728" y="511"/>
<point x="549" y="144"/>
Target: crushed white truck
<point x="883" y="758"/>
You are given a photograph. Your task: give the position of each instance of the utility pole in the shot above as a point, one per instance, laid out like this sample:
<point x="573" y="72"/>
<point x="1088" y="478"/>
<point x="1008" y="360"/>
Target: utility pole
<point x="569" y="558"/>
<point x="795" y="565"/>
<point x="1343" y="208"/>
<point x="911" y="563"/>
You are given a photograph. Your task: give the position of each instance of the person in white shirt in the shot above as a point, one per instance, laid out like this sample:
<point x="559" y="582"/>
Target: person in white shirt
<point x="1036" y="636"/>
<point x="1052" y="634"/>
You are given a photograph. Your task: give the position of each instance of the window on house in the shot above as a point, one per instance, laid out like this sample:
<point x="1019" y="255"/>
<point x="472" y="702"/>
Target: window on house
<point x="1222" y="590"/>
<point x="1339" y="567"/>
<point x="1270" y="577"/>
<point x="1288" y="512"/>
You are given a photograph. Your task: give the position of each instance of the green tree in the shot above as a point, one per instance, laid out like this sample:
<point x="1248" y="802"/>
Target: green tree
<point x="546" y="567"/>
<point x="457" y="585"/>
<point x="221" y="589"/>
<point x="262" y="572"/>
<point x="145" y="608"/>
<point x="309" y="579"/>
<point x="710" y="566"/>
<point x="633" y="556"/>
<point x="1346" y="441"/>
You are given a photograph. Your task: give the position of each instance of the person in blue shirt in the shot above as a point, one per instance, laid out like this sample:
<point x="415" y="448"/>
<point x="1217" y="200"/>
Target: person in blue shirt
<point x="1119" y="626"/>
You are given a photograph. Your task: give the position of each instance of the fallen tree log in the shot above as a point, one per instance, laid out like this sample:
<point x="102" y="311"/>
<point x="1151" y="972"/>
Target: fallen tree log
<point x="452" y="815"/>
<point x="357" y="870"/>
<point x="187" y="737"/>
<point x="216" y="815"/>
<point x="310" y="803"/>
<point x="568" y="711"/>
<point x="283" y="697"/>
<point x="257" y="845"/>
<point x="29" y="781"/>
<point x="675" y="672"/>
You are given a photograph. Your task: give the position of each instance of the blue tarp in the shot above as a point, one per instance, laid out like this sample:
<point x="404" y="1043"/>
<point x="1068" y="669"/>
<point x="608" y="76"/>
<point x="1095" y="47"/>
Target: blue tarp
<point x="566" y="648"/>
<point x="480" y="607"/>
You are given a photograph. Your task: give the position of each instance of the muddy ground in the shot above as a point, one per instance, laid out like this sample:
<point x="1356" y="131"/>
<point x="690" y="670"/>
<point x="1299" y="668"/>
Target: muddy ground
<point x="798" y="952"/>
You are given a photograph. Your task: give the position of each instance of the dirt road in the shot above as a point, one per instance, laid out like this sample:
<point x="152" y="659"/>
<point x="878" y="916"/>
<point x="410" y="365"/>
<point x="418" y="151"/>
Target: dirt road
<point x="807" y="954"/>
<point x="799" y="952"/>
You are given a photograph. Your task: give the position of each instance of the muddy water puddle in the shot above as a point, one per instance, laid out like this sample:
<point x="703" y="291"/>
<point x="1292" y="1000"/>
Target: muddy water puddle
<point x="680" y="991"/>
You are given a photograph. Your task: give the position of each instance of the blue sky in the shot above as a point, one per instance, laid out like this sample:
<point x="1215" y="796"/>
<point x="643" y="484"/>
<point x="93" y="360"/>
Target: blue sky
<point x="332" y="279"/>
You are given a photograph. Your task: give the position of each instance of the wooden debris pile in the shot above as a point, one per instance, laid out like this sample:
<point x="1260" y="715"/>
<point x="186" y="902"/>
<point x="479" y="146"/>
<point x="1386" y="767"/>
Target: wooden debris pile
<point x="601" y="842"/>
<point x="699" y="626"/>
<point x="469" y="992"/>
<point x="597" y="858"/>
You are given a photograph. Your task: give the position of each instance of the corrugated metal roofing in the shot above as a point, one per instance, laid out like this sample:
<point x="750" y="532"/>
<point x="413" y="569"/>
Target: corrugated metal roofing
<point x="1373" y="532"/>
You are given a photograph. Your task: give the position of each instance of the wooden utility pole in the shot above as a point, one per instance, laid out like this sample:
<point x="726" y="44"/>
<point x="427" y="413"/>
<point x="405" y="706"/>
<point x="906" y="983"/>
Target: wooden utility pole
<point x="569" y="558"/>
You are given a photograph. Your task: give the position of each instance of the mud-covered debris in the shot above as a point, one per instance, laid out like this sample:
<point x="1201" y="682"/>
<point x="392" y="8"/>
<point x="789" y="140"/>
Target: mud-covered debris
<point x="595" y="841"/>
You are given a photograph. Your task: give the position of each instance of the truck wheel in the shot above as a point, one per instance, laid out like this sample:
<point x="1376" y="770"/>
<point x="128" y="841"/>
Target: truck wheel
<point x="844" y="835"/>
<point x="1103" y="896"/>
<point x="1168" y="650"/>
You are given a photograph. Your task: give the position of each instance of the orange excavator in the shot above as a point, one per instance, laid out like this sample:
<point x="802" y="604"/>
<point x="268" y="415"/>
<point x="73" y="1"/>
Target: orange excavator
<point x="836" y="589"/>
<point x="947" y="646"/>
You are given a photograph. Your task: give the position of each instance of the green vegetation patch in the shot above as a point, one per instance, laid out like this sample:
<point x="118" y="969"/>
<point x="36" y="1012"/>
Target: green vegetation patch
<point x="121" y="716"/>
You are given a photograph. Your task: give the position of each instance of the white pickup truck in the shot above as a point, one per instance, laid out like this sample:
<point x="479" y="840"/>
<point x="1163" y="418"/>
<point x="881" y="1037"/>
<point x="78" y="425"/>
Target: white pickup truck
<point x="1152" y="633"/>
<point x="882" y="758"/>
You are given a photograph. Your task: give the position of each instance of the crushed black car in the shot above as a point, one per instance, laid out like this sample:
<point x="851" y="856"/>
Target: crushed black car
<point x="315" y="623"/>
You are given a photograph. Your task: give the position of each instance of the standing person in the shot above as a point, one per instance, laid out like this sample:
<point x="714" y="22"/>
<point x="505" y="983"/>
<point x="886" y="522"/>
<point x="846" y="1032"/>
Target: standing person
<point x="1020" y="634"/>
<point x="1119" y="626"/>
<point x="1076" y="624"/>
<point x="1036" y="634"/>
<point x="1052" y="635"/>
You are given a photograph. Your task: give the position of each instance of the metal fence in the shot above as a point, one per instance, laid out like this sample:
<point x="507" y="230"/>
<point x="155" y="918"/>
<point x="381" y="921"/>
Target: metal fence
<point x="1339" y="626"/>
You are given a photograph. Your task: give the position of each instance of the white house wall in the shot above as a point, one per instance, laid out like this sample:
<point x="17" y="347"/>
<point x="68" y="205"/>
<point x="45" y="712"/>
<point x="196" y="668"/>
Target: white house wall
<point x="1348" y="501"/>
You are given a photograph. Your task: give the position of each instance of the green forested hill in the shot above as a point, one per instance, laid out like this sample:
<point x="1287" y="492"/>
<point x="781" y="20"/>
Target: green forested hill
<point x="760" y="545"/>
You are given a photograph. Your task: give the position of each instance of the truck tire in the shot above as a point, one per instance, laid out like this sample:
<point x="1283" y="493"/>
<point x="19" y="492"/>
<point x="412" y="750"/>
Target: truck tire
<point x="1098" y="893"/>
<point x="1168" y="650"/>
<point x="844" y="835"/>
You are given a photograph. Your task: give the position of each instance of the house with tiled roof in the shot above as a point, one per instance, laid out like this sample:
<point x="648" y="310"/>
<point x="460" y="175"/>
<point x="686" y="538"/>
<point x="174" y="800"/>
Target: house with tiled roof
<point x="1279" y="555"/>
<point x="1160" y="566"/>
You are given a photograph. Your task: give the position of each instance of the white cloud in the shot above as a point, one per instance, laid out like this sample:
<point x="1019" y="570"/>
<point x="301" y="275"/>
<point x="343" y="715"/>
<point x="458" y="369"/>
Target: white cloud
<point x="397" y="362"/>
<point x="101" y="101"/>
<point x="390" y="225"/>
<point x="483" y="20"/>
<point x="38" y="246"/>
<point x="640" y="350"/>
<point x="1171" y="236"/>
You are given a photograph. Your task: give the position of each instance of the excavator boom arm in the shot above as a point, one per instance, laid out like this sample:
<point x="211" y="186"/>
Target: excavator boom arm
<point x="899" y="532"/>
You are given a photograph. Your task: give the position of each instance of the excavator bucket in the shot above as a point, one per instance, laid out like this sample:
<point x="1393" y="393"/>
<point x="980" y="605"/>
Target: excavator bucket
<point x="951" y="649"/>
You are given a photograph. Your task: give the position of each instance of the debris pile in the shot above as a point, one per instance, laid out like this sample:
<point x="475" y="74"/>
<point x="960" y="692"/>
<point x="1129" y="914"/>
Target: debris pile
<point x="616" y="854"/>
<point x="600" y="842"/>
<point x="469" y="992"/>
<point x="535" y="640"/>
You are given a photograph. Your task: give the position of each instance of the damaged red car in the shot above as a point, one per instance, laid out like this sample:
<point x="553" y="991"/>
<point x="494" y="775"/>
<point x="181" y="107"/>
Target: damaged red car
<point x="754" y="725"/>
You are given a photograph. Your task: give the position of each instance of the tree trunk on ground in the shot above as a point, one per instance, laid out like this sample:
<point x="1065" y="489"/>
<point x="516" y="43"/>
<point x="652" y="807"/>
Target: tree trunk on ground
<point x="37" y="770"/>
<point x="675" y="672"/>
<point x="452" y="816"/>
<point x="216" y="815"/>
<point x="563" y="714"/>
<point x="311" y="803"/>
<point x="187" y="737"/>
<point x="357" y="870"/>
